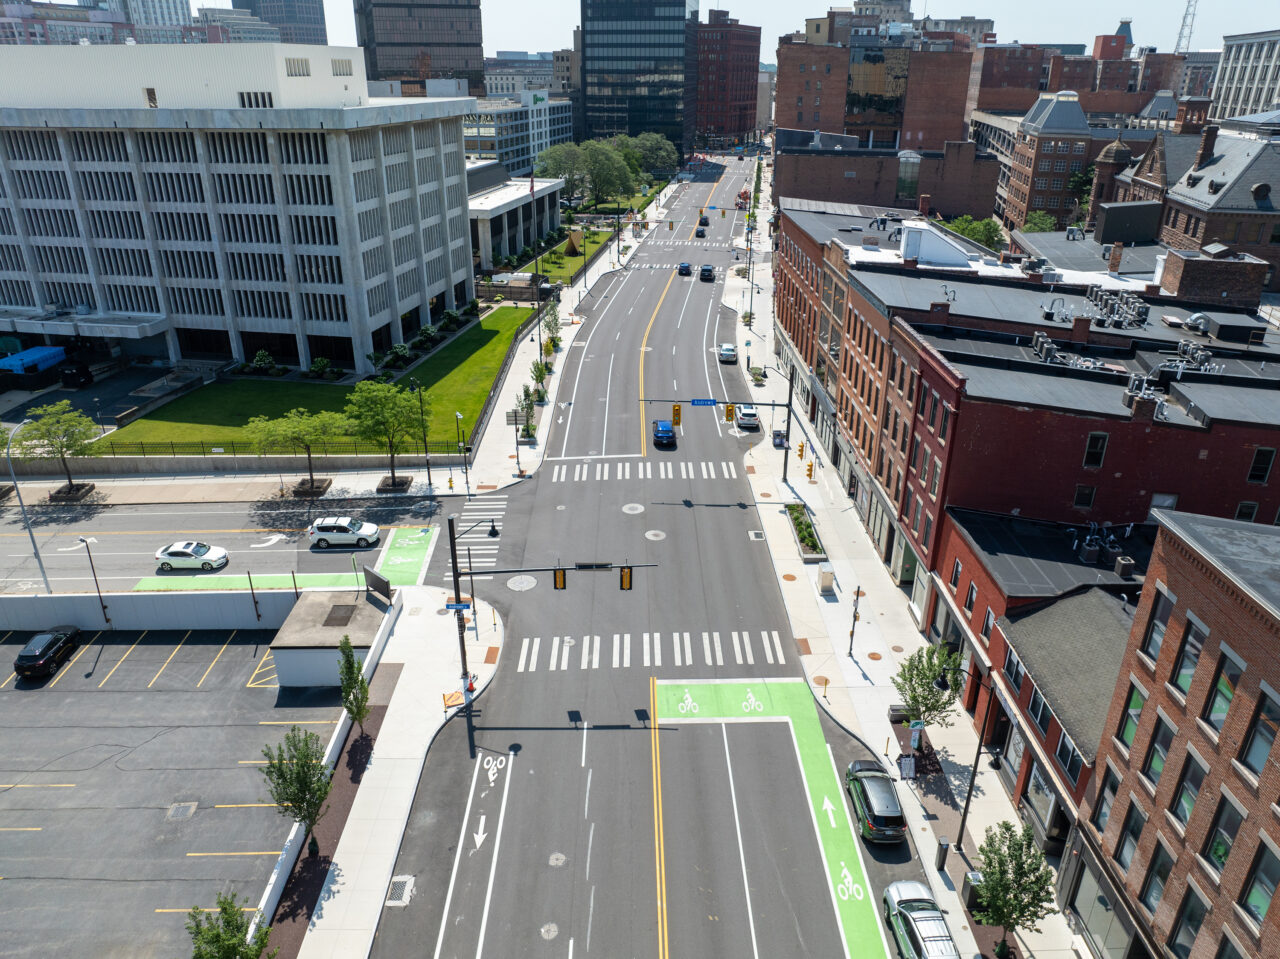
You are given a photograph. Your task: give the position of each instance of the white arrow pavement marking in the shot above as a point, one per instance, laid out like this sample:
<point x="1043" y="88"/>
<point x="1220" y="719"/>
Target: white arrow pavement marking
<point x="67" y="549"/>
<point x="826" y="808"/>
<point x="481" y="835"/>
<point x="271" y="541"/>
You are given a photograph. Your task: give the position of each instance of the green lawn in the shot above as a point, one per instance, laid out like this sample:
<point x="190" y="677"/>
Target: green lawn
<point x="565" y="269"/>
<point x="458" y="377"/>
<point x="637" y="202"/>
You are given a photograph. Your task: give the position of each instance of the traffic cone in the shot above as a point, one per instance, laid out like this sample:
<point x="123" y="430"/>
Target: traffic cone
<point x="471" y="683"/>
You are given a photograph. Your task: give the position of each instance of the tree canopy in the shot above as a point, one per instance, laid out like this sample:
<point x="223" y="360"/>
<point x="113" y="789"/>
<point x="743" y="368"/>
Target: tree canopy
<point x="1016" y="891"/>
<point x="917" y="684"/>
<point x="1038" y="221"/>
<point x="383" y="413"/>
<point x="299" y="429"/>
<point x="563" y="161"/>
<point x="607" y="172"/>
<point x="987" y="232"/>
<point x="224" y="933"/>
<point x="297" y="777"/>
<point x="57" y="430"/>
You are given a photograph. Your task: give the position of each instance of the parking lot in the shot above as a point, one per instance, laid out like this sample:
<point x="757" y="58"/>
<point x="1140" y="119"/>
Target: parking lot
<point x="130" y="787"/>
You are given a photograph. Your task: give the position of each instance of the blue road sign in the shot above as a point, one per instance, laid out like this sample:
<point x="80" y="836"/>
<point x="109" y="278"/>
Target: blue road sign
<point x="457" y="605"/>
<point x="702" y="402"/>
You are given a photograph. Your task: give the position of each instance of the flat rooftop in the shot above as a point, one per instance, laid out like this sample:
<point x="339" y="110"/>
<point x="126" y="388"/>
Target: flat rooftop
<point x="1246" y="553"/>
<point x="1085" y="255"/>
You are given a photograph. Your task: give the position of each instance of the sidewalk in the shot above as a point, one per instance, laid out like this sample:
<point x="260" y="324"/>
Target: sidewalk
<point x="856" y="688"/>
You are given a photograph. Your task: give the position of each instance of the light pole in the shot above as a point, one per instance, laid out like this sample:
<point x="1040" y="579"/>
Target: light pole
<point x="8" y="452"/>
<point x="941" y="684"/>
<point x="98" y="404"/>
<point x="457" y="428"/>
<point x="857" y="597"/>
<point x="98" y="589"/>
<point x="417" y="388"/>
<point x="457" y="589"/>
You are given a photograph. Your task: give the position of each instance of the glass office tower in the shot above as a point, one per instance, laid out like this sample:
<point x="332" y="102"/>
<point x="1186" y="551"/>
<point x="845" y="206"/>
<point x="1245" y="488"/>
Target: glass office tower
<point x="639" y="68"/>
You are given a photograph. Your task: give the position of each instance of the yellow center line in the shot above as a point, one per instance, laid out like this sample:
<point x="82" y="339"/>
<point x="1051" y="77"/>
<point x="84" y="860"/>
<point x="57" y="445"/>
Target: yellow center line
<point x="644" y="436"/>
<point x="21" y="828"/>
<point x="37" y="785"/>
<point x="266" y="853"/>
<point x="122" y="659"/>
<point x="66" y="669"/>
<point x="659" y="841"/>
<point x="216" y="658"/>
<point x="167" y="661"/>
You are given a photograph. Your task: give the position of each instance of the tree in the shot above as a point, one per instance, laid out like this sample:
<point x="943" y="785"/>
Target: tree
<point x="297" y="777"/>
<point x="1038" y="221"/>
<point x="917" y="684"/>
<point x="551" y="323"/>
<point x="224" y="933"/>
<point x="656" y="152"/>
<point x="987" y="232"/>
<point x="563" y="161"/>
<point x="298" y="429"/>
<point x="525" y="401"/>
<point x="383" y="413"/>
<point x="606" y="171"/>
<point x="1080" y="184"/>
<point x="57" y="430"/>
<point x="539" y="372"/>
<point x="355" y="688"/>
<point x="1017" y="884"/>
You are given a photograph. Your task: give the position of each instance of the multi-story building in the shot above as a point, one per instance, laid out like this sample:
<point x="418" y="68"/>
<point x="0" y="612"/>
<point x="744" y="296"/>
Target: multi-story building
<point x="514" y="71"/>
<point x="508" y="215"/>
<point x="211" y="201"/>
<point x="241" y="26"/>
<point x="977" y="29"/>
<point x="1053" y="142"/>
<point x="300" y="21"/>
<point x="1248" y="79"/>
<point x="640" y="69"/>
<point x="414" y="40"/>
<point x="885" y="11"/>
<point x="59" y="23"/>
<point x="514" y="130"/>
<point x="1178" y="847"/>
<point x="766" y="81"/>
<point x="567" y="73"/>
<point x="804" y="69"/>
<point x="728" y="68"/>
<point x="156" y="13"/>
<point x="1199" y="71"/>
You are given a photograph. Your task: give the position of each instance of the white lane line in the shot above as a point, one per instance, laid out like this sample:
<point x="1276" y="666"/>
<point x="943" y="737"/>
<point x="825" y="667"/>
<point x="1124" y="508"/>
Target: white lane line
<point x="707" y="345"/>
<point x="524" y="653"/>
<point x="591" y="912"/>
<point x="715" y="641"/>
<point x="742" y="855"/>
<point x="555" y="648"/>
<point x="533" y="654"/>
<point x="777" y="644"/>
<point x="585" y="727"/>
<point x="493" y="866"/>
<point x="586" y="802"/>
<point x="608" y="384"/>
<point x="591" y="835"/>
<point x="462" y="841"/>
<point x="582" y="361"/>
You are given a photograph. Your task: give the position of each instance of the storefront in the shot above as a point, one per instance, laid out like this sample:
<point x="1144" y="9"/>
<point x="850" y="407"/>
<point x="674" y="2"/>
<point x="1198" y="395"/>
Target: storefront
<point x="880" y="522"/>
<point x="1094" y="907"/>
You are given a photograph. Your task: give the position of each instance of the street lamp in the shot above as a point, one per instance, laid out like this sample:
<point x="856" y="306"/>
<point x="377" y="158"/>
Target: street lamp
<point x="98" y="589"/>
<point x="416" y="387"/>
<point x="457" y="429"/>
<point x="942" y="685"/>
<point x="8" y="452"/>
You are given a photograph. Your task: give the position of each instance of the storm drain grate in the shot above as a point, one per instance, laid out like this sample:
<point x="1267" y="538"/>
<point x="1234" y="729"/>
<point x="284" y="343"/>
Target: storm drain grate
<point x="340" y="615"/>
<point x="401" y="890"/>
<point x="756" y="534"/>
<point x="180" y="810"/>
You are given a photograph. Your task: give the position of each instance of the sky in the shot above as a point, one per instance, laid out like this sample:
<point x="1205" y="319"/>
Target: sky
<point x="508" y="24"/>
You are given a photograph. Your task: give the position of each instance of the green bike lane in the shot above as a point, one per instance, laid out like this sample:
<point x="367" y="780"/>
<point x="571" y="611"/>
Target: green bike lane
<point x="403" y="560"/>
<point x="791" y="701"/>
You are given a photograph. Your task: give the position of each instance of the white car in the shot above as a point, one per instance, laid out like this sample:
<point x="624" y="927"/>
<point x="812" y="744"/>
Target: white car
<point x="745" y="417"/>
<point x="728" y="353"/>
<point x="191" y="555"/>
<point x="342" y="531"/>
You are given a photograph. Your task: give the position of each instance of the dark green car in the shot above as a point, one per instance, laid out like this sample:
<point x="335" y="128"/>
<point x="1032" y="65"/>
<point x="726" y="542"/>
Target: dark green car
<point x="875" y="804"/>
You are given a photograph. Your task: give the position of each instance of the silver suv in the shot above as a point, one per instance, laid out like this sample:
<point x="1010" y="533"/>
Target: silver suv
<point x="916" y="922"/>
<point x="342" y="531"/>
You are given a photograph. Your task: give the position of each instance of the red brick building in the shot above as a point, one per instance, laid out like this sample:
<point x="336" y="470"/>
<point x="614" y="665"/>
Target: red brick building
<point x="808" y="72"/>
<point x="728" y="74"/>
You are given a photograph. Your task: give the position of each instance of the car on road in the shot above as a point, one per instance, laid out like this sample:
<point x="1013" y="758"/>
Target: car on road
<point x="191" y="555"/>
<point x="664" y="434"/>
<point x="728" y="353"/>
<point x="700" y="233"/>
<point x="46" y="651"/>
<point x="704" y="221"/>
<point x="707" y="272"/>
<point x="875" y="804"/>
<point x="342" y="531"/>
<point x="745" y="417"/>
<point x="685" y="269"/>
<point x="916" y="922"/>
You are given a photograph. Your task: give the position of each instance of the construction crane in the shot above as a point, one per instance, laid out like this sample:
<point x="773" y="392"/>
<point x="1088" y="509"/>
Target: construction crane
<point x="1184" y="34"/>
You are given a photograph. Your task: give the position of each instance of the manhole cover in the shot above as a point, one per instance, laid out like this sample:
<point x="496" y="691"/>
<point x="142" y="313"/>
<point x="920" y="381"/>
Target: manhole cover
<point x="896" y="649"/>
<point x="633" y="508"/>
<point x="340" y="615"/>
<point x="655" y="535"/>
<point x="873" y="655"/>
<point x="550" y="931"/>
<point x="789" y="577"/>
<point x="766" y="495"/>
<point x="400" y="891"/>
<point x="180" y="810"/>
<point x="557" y="859"/>
<point x="756" y="534"/>
<point x="521" y="584"/>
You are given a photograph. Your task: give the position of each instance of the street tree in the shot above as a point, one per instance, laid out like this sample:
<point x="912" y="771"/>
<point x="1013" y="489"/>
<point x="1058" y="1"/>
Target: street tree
<point x="298" y="778"/>
<point x="563" y="161"/>
<point x="918" y="684"/>
<point x="297" y="429"/>
<point x="224" y="933"/>
<point x="59" y="431"/>
<point x="551" y="323"/>
<point x="606" y="171"/>
<point x="1016" y="891"/>
<point x="656" y="152"/>
<point x="1038" y="221"/>
<point x="383" y="413"/>
<point x="355" y="688"/>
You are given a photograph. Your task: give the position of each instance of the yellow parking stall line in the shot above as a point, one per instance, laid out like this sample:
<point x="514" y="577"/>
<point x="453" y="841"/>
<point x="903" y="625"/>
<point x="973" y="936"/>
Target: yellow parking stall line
<point x="167" y="661"/>
<point x="216" y="658"/>
<point x="122" y="659"/>
<point x="74" y="659"/>
<point x="251" y="762"/>
<point x="21" y="828"/>
<point x="268" y="853"/>
<point x="8" y="681"/>
<point x="262" y="665"/>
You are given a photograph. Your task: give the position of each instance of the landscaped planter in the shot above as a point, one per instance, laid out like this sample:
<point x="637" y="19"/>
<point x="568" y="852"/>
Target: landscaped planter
<point x="70" y="494"/>
<point x="805" y="533"/>
<point x="306" y="489"/>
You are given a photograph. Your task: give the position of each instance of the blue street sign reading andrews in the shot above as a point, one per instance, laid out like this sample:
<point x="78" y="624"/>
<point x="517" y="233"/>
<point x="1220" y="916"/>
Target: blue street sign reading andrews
<point x="457" y="605"/>
<point x="696" y="402"/>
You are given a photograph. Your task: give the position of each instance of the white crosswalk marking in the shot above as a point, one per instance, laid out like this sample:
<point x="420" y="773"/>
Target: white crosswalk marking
<point x="579" y="472"/>
<point x="665" y="470"/>
<point x="586" y="651"/>
<point x="686" y="471"/>
<point x="737" y="647"/>
<point x="555" y="650"/>
<point x="564" y="654"/>
<point x="777" y="644"/>
<point x="624" y="470"/>
<point x="644" y="470"/>
<point x="533" y="653"/>
<point x="676" y="647"/>
<point x="646" y="650"/>
<point x="618" y="654"/>
<point x="524" y="653"/>
<point x="768" y="650"/>
<point x="708" y="470"/>
<point x="729" y="471"/>
<point x="746" y="648"/>
<point x="626" y="651"/>
<point x="617" y="650"/>
<point x="558" y="471"/>
<point x="715" y="641"/>
<point x="688" y="651"/>
<point x="706" y="647"/>
<point x="595" y="652"/>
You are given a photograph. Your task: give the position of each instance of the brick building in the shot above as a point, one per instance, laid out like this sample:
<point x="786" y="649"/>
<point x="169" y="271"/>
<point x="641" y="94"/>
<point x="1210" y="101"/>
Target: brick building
<point x="1179" y="847"/>
<point x="728" y="66"/>
<point x="804" y="69"/>
<point x="1053" y="142"/>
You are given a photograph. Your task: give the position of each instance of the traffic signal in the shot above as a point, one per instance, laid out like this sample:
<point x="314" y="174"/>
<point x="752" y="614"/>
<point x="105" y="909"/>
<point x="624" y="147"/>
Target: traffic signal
<point x="558" y="577"/>
<point x="671" y="224"/>
<point x="800" y="449"/>
<point x="728" y="412"/>
<point x="675" y="414"/>
<point x="722" y="214"/>
<point x="702" y="211"/>
<point x="809" y="470"/>
<point x="624" y="577"/>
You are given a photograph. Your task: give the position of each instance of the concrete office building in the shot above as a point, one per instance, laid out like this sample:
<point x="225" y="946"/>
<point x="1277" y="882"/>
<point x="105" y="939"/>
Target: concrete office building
<point x="413" y="40"/>
<point x="208" y="202"/>
<point x="508" y="214"/>
<point x="241" y="26"/>
<point x="300" y="21"/>
<point x="514" y="130"/>
<point x="48" y="24"/>
<point x="514" y="71"/>
<point x="173" y="13"/>
<point x="1248" y="78"/>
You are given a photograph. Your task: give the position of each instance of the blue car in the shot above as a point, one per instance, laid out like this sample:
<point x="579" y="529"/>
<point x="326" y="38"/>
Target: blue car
<point x="664" y="434"/>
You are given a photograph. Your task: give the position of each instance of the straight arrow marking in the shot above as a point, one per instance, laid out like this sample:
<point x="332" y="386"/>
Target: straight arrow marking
<point x="827" y="808"/>
<point x="481" y="834"/>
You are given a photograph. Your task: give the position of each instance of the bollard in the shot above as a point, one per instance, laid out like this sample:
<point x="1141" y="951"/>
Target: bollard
<point x="940" y="861"/>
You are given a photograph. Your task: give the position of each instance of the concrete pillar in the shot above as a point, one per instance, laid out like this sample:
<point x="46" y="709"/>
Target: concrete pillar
<point x="175" y="352"/>
<point x="304" y="348"/>
<point x="504" y="247"/>
<point x="484" y="236"/>
<point x="521" y="241"/>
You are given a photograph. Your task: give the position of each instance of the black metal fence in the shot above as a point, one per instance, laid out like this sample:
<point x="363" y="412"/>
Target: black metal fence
<point x="337" y="448"/>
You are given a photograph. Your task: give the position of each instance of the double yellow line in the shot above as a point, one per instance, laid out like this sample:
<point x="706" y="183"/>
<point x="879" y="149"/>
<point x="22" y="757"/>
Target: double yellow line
<point x="659" y="845"/>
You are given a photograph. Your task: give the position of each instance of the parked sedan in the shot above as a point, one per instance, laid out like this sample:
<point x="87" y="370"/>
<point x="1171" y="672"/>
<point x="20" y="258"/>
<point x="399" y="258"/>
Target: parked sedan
<point x="46" y="651"/>
<point x="342" y="531"/>
<point x="875" y="804"/>
<point x="191" y="555"/>
<point x="916" y="922"/>
<point x="728" y="353"/>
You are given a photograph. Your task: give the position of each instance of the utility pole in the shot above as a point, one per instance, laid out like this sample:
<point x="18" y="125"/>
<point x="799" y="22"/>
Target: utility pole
<point x="786" y="438"/>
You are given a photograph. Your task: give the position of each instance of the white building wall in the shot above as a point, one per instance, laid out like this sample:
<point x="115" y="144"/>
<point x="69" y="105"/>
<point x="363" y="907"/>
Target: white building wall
<point x="1248" y="79"/>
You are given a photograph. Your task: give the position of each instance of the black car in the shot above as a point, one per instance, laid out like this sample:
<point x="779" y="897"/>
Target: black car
<point x="707" y="272"/>
<point x="685" y="270"/>
<point x="46" y="651"/>
<point x="704" y="221"/>
<point x="699" y="233"/>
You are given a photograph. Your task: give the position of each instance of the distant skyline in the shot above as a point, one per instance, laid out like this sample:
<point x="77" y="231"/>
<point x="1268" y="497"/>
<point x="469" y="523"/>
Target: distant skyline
<point x="508" y="26"/>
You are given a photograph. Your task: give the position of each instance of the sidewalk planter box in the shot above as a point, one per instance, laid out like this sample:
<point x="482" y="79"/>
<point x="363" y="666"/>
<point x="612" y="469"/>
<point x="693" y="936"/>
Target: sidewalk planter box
<point x="70" y="494"/>
<point x="898" y="714"/>
<point x="805" y="533"/>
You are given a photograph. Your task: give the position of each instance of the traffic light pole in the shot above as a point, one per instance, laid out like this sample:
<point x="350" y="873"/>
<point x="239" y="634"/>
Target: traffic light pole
<point x="457" y="601"/>
<point x="786" y="438"/>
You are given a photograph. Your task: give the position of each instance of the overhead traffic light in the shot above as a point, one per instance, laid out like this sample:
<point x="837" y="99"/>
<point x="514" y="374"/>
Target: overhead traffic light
<point x="624" y="577"/>
<point x="809" y="470"/>
<point x="722" y="214"/>
<point x="558" y="577"/>
<point x="728" y="412"/>
<point x="675" y="414"/>
<point x="671" y="224"/>
<point x="800" y="449"/>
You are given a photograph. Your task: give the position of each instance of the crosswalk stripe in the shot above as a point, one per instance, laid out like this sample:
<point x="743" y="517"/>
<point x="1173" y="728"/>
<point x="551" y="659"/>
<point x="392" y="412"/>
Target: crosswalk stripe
<point x="715" y="640"/>
<point x="646" y="650"/>
<point x="768" y="650"/>
<point x="777" y="643"/>
<point x="533" y="654"/>
<point x="688" y="651"/>
<point x="555" y="651"/>
<point x="706" y="647"/>
<point x="676" y="644"/>
<point x="626" y="650"/>
<point x="625" y="467"/>
<point x="746" y="648"/>
<point x="595" y="652"/>
<point x="586" y="651"/>
<point x="617" y="649"/>
<point x="564" y="654"/>
<point x="524" y="653"/>
<point x="657" y="649"/>
<point x="737" y="648"/>
<point x="708" y="470"/>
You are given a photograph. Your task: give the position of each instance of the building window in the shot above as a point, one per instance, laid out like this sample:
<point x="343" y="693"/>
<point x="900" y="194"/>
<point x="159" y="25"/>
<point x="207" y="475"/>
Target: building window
<point x="1228" y="951"/>
<point x="955" y="574"/>
<point x="935" y="477"/>
<point x="943" y="423"/>
<point x="1084" y="496"/>
<point x="970" y="597"/>
<point x="1261" y="887"/>
<point x="1154" y="638"/>
<point x="1106" y="799"/>
<point x="1078" y="148"/>
<point x="1095" y="449"/>
<point x="1158" y="751"/>
<point x="1013" y="669"/>
<point x="1039" y="711"/>
<point x="1132" y="714"/>
<point x="1184" y="800"/>
<point x="1223" y="692"/>
<point x="152" y="101"/>
<point x="1192" y="643"/>
<point x="988" y="621"/>
<point x="1134" y="822"/>
<point x="1246" y="511"/>
<point x="1217" y="848"/>
<point x="1069" y="757"/>
<point x="1157" y="876"/>
<point x="1260" y="468"/>
<point x="1185" y="930"/>
<point x="928" y="532"/>
<point x="1041" y="183"/>
<point x="1261" y="735"/>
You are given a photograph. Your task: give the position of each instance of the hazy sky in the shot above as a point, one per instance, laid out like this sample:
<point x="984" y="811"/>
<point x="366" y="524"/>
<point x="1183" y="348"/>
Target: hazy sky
<point x="548" y="24"/>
